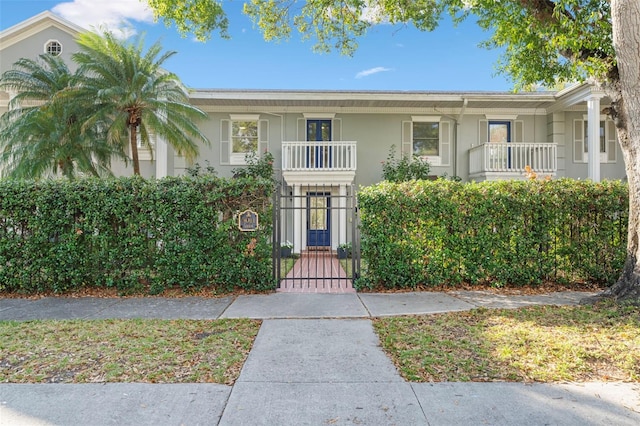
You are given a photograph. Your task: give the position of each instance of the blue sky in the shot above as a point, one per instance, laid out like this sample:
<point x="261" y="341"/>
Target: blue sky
<point x="389" y="57"/>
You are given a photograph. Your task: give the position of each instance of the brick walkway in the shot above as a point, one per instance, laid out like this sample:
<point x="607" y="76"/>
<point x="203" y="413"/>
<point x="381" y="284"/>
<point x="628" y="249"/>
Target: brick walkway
<point x="317" y="271"/>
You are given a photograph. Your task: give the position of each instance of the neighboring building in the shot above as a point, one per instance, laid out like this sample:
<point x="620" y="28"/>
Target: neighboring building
<point x="325" y="141"/>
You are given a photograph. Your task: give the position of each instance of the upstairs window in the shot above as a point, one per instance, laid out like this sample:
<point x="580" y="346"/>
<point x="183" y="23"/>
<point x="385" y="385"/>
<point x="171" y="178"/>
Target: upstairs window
<point x="241" y="135"/>
<point x="428" y="138"/>
<point x="53" y="47"/>
<point x="244" y="140"/>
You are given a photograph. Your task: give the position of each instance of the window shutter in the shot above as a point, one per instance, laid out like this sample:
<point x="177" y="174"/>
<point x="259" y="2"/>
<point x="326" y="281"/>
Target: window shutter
<point x="225" y="143"/>
<point x="578" y="141"/>
<point x="302" y="129"/>
<point x="336" y="129"/>
<point x="407" y="138"/>
<point x="612" y="142"/>
<point x="263" y="137"/>
<point x="445" y="143"/>
<point x="483" y="132"/>
<point x="518" y="134"/>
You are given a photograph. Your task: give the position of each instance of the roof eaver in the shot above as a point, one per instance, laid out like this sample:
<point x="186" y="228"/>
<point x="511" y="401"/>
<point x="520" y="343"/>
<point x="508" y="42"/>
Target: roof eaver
<point x="42" y="20"/>
<point x="328" y="95"/>
<point x="318" y="95"/>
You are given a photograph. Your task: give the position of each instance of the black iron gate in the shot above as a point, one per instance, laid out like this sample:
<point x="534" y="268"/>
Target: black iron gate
<point x="316" y="238"/>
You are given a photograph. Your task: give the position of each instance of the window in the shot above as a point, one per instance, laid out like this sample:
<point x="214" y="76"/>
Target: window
<point x="427" y="137"/>
<point x="244" y="140"/>
<point x="606" y="134"/>
<point x="603" y="142"/>
<point x="150" y="137"/>
<point x="241" y="135"/>
<point x="53" y="47"/>
<point x="499" y="131"/>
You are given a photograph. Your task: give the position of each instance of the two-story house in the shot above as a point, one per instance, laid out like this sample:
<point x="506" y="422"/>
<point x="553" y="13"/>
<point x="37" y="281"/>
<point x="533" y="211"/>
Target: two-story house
<point x="325" y="142"/>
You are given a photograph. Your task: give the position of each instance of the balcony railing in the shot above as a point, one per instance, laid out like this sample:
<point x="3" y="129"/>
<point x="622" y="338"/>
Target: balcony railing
<point x="513" y="158"/>
<point x="320" y="156"/>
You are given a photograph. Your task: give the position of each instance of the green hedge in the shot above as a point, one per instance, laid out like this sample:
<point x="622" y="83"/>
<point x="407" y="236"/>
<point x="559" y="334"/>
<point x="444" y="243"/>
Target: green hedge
<point x="500" y="233"/>
<point x="135" y="235"/>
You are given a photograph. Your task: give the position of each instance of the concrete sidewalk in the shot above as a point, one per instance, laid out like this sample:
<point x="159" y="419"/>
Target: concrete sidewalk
<point x="272" y="306"/>
<point x="316" y="361"/>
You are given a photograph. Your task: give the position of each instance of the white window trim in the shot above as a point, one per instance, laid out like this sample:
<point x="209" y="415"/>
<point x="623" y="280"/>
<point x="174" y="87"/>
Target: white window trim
<point x="240" y="158"/>
<point x="319" y="115"/>
<point x="604" y="156"/>
<point x="426" y="118"/>
<point x="444" y="139"/>
<point x="46" y="45"/>
<point x="227" y="157"/>
<point x="244" y="117"/>
<point x="501" y="117"/>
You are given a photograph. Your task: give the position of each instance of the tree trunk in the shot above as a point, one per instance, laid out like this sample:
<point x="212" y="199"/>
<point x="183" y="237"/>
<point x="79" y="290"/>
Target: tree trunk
<point x="624" y="90"/>
<point x="133" y="136"/>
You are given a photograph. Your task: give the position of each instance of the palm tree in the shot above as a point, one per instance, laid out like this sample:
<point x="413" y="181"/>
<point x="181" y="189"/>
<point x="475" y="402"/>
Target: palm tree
<point x="42" y="133"/>
<point x="135" y="96"/>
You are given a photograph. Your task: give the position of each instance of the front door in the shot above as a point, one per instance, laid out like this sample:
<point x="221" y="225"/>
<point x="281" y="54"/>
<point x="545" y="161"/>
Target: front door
<point x="500" y="132"/>
<point x="319" y="157"/>
<point x="318" y="219"/>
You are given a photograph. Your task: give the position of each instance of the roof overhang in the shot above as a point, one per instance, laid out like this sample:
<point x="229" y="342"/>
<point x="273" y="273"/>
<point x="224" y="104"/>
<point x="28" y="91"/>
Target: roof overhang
<point x="574" y="95"/>
<point x="369" y="99"/>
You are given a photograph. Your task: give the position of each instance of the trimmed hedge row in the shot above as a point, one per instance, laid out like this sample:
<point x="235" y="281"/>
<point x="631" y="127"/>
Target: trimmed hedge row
<point x="133" y="234"/>
<point x="501" y="233"/>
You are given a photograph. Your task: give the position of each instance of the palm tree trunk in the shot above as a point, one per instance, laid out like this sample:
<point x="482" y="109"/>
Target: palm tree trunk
<point x="133" y="136"/>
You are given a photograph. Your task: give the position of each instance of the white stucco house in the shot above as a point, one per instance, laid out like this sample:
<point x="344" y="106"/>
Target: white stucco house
<point x="325" y="141"/>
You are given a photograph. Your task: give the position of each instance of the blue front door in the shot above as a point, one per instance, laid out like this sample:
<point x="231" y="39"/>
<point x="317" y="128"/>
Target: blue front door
<point x="318" y="219"/>
<point x="320" y="156"/>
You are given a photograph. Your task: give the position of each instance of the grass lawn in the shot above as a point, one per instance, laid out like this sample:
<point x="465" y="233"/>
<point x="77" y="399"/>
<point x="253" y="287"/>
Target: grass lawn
<point x="540" y="343"/>
<point x="152" y="351"/>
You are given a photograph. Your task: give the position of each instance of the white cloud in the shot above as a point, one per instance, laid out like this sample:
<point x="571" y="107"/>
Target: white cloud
<point x="114" y="15"/>
<point x="371" y="71"/>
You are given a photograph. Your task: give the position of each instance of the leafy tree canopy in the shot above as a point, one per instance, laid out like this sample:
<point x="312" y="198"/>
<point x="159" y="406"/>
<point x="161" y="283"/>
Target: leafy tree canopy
<point x="545" y="41"/>
<point x="43" y="132"/>
<point x="200" y="17"/>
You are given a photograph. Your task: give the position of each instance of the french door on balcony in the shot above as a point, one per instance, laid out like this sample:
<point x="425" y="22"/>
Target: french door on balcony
<point x="319" y="156"/>
<point x="500" y="132"/>
<point x="318" y="219"/>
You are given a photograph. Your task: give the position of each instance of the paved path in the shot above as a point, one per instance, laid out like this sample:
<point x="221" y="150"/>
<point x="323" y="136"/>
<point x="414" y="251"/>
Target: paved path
<point x="315" y="361"/>
<point x="271" y="306"/>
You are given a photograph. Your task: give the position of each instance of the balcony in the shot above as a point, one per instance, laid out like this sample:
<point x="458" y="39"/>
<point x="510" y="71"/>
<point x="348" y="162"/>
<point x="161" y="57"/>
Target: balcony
<point x="496" y="161"/>
<point x="314" y="162"/>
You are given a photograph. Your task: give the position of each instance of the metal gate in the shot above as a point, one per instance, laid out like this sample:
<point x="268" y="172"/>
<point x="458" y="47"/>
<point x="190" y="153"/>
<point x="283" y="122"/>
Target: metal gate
<point x="316" y="238"/>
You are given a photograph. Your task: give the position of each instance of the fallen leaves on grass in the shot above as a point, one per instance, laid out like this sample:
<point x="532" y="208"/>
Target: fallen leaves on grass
<point x="540" y="343"/>
<point x="152" y="351"/>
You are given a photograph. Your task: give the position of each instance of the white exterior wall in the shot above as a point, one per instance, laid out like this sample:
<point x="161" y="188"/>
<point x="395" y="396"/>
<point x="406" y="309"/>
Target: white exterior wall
<point x="578" y="170"/>
<point x="556" y="133"/>
<point x="33" y="46"/>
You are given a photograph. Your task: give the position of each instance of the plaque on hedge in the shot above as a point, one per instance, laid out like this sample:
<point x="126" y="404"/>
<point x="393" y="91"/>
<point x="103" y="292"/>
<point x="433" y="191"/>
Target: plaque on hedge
<point x="248" y="220"/>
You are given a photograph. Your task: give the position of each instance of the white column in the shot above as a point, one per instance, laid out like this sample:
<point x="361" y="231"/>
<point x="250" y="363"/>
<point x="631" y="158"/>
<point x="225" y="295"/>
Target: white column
<point x="161" y="157"/>
<point x="593" y="137"/>
<point x="297" y="220"/>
